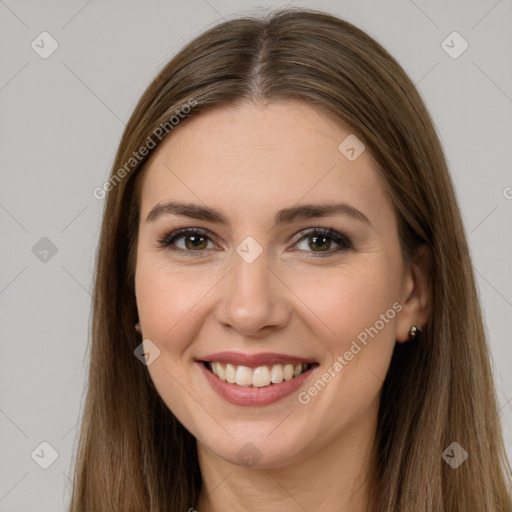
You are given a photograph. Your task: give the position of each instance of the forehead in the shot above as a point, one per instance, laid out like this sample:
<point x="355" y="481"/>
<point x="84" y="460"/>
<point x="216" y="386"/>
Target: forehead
<point x="252" y="157"/>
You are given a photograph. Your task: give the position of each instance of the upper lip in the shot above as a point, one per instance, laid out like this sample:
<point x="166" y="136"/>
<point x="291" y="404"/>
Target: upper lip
<point x="262" y="359"/>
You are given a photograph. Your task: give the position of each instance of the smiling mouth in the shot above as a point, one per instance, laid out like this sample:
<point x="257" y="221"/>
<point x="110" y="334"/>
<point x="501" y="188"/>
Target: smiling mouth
<point x="261" y="376"/>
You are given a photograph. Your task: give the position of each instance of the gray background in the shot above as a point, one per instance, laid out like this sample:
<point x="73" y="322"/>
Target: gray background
<point x="62" y="118"/>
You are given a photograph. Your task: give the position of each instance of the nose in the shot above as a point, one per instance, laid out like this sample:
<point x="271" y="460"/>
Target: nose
<point x="253" y="299"/>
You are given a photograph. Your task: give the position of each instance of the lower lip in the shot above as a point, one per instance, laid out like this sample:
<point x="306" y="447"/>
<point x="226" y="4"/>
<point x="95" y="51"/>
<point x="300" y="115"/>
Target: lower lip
<point x="251" y="395"/>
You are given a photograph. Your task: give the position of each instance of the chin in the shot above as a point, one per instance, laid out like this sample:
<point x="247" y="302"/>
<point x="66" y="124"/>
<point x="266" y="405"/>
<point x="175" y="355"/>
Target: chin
<point x="257" y="445"/>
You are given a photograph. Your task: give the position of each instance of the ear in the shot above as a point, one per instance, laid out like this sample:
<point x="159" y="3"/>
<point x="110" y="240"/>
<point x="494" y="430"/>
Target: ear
<point x="416" y="294"/>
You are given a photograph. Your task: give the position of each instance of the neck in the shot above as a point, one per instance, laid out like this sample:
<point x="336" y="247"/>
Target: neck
<point x="334" y="478"/>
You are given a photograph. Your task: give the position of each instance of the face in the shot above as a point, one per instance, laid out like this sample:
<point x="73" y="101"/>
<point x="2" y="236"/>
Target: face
<point x="253" y="280"/>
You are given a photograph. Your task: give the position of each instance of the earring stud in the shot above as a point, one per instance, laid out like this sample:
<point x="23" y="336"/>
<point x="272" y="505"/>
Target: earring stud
<point x="414" y="333"/>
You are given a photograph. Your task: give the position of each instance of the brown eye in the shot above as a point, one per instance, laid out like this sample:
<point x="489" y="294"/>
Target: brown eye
<point x="320" y="241"/>
<point x="194" y="240"/>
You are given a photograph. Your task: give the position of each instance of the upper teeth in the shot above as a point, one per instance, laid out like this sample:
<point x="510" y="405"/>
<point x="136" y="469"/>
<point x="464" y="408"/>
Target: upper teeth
<point x="260" y="376"/>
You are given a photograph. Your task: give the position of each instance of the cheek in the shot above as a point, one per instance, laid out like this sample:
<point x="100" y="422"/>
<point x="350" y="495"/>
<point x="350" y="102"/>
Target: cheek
<point x="360" y="308"/>
<point x="359" y="305"/>
<point x="168" y="304"/>
<point x="168" y="300"/>
<point x="351" y="300"/>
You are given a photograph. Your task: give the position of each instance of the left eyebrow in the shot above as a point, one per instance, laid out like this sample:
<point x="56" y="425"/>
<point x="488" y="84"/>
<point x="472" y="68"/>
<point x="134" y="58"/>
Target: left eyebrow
<point x="284" y="216"/>
<point x="309" y="211"/>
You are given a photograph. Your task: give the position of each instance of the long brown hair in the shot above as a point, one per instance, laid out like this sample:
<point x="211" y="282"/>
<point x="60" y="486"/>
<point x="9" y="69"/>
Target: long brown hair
<point x="133" y="454"/>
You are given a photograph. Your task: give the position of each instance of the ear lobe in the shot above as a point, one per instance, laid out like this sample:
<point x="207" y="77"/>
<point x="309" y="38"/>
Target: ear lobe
<point x="416" y="294"/>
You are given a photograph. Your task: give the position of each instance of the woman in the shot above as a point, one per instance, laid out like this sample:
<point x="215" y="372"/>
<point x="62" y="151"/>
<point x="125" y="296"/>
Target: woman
<point x="232" y="365"/>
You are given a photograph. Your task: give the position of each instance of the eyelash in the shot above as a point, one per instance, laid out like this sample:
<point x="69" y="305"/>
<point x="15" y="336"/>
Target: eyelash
<point x="339" y="238"/>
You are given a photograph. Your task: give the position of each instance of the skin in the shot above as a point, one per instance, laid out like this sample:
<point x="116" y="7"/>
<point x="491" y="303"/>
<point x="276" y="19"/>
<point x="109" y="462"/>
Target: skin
<point x="248" y="161"/>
